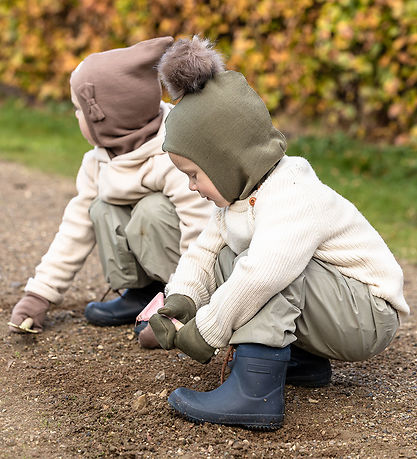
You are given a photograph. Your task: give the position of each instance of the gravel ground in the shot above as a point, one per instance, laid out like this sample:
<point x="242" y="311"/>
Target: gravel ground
<point x="82" y="391"/>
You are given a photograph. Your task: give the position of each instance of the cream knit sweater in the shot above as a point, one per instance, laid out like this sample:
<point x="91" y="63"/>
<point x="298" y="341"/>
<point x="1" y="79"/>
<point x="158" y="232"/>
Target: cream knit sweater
<point x="295" y="217"/>
<point x="123" y="180"/>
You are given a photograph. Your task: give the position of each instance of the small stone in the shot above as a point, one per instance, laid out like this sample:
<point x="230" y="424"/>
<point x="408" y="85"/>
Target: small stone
<point x="160" y="376"/>
<point x="16" y="284"/>
<point x="312" y="400"/>
<point x="140" y="403"/>
<point x="182" y="356"/>
<point x="163" y="393"/>
<point x="20" y="185"/>
<point x="62" y="316"/>
<point x="130" y="336"/>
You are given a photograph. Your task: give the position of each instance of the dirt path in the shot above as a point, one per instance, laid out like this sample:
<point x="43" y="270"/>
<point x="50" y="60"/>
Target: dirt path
<point x="69" y="392"/>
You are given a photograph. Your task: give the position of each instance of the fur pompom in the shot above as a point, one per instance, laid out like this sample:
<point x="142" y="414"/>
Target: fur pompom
<point x="187" y="66"/>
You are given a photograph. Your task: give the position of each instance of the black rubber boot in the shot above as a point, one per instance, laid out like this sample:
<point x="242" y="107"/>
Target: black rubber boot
<point x="308" y="370"/>
<point x="251" y="397"/>
<point x="140" y="326"/>
<point x="122" y="310"/>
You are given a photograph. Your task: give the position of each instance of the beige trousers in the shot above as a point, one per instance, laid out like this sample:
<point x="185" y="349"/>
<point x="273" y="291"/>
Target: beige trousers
<point x="137" y="244"/>
<point x="324" y="312"/>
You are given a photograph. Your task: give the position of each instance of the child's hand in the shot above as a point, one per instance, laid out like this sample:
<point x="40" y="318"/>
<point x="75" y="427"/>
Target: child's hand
<point x="189" y="340"/>
<point x="147" y="338"/>
<point x="180" y="307"/>
<point x="33" y="306"/>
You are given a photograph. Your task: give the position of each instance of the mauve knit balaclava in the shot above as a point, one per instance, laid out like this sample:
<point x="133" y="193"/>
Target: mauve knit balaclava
<point x="226" y="130"/>
<point x="120" y="94"/>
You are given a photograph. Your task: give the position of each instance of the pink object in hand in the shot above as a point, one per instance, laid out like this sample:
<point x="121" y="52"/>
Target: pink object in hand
<point x="152" y="308"/>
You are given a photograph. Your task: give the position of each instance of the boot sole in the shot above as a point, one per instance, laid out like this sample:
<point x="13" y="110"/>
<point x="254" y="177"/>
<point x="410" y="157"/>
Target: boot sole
<point x="247" y="421"/>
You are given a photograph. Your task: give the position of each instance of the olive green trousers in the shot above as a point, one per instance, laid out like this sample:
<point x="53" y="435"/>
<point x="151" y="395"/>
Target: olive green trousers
<point x="137" y="244"/>
<point x="322" y="312"/>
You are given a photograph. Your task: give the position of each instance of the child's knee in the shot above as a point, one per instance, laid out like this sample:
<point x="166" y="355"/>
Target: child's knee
<point x="349" y="342"/>
<point x="153" y="211"/>
<point x="96" y="210"/>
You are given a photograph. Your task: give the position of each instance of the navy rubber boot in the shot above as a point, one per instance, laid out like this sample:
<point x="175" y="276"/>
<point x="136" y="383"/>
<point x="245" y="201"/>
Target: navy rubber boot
<point x="251" y="397"/>
<point x="122" y="310"/>
<point x="308" y="370"/>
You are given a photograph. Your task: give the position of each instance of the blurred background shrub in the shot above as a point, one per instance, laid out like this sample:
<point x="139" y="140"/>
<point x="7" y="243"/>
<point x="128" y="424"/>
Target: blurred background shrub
<point x="350" y="63"/>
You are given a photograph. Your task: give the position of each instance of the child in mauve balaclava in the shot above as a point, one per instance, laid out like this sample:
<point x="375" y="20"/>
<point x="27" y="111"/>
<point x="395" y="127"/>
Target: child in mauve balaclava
<point x="287" y="271"/>
<point x="131" y="199"/>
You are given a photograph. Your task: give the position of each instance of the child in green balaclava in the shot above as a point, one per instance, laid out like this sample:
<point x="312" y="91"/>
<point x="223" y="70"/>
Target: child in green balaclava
<point x="287" y="271"/>
<point x="130" y="200"/>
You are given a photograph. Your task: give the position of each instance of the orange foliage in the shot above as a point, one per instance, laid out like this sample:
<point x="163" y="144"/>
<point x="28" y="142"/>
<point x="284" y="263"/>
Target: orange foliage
<point x="352" y="62"/>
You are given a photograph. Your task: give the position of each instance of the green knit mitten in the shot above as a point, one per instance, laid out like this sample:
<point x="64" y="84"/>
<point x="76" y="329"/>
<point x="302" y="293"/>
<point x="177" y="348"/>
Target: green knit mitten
<point x="190" y="341"/>
<point x="180" y="307"/>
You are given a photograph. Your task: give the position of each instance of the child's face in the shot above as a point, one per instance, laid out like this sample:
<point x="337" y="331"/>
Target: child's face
<point x="81" y="119"/>
<point x="198" y="180"/>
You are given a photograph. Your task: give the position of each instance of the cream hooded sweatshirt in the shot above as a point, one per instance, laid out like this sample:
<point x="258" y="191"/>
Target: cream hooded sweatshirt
<point x="123" y="180"/>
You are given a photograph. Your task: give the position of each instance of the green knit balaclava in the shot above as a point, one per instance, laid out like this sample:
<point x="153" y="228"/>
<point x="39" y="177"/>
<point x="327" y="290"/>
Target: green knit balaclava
<point x="221" y="124"/>
<point x="120" y="94"/>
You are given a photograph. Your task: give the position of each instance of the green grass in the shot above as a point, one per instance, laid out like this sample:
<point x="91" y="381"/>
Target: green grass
<point x="46" y="138"/>
<point x="380" y="180"/>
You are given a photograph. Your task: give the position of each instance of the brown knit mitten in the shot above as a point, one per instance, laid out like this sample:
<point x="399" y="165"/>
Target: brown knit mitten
<point x="33" y="306"/>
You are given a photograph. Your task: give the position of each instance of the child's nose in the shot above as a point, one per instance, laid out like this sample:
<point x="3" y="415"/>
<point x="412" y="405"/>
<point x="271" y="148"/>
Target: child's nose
<point x="192" y="186"/>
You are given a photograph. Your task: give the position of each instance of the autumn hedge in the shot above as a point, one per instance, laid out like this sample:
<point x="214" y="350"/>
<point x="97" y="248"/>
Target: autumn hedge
<point x="353" y="63"/>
